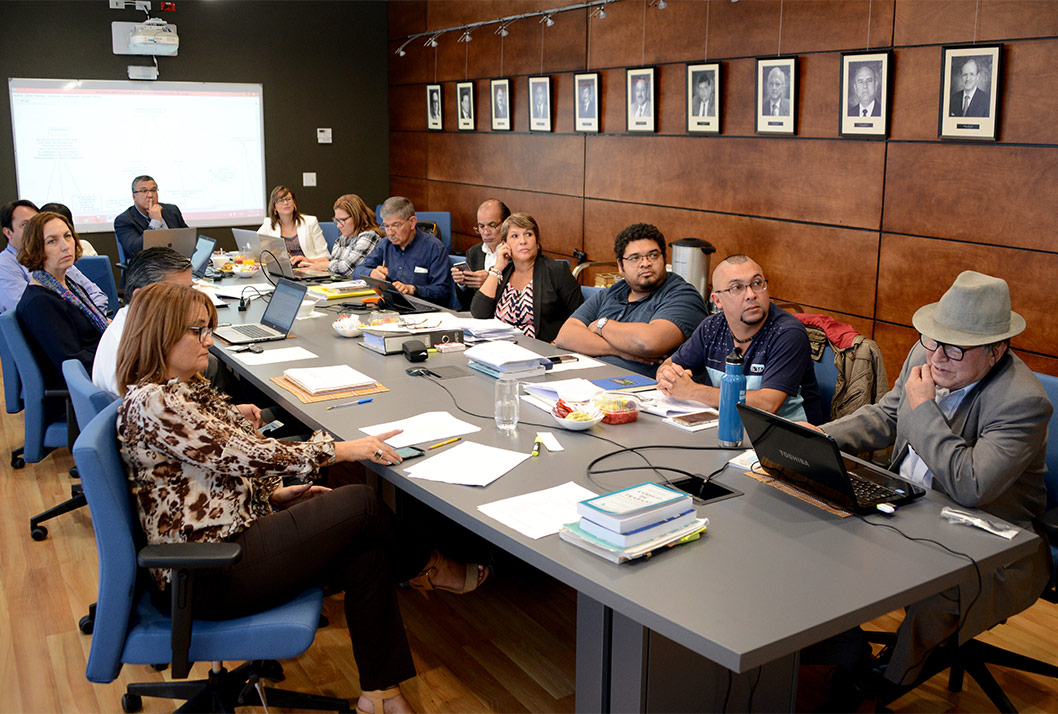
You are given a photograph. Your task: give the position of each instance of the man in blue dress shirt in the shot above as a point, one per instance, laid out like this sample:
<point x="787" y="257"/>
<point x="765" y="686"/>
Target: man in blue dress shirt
<point x="415" y="262"/>
<point x="145" y="213"/>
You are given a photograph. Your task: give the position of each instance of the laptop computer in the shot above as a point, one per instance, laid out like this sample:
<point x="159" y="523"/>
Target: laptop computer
<point x="276" y="260"/>
<point x="277" y="319"/>
<point x="248" y="242"/>
<point x="182" y="240"/>
<point x="200" y="263"/>
<point x="393" y="299"/>
<point x="811" y="461"/>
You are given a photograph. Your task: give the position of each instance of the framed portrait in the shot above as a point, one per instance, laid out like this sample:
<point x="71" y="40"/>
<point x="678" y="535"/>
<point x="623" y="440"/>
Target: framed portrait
<point x="703" y="92"/>
<point x="586" y="99"/>
<point x="969" y="92"/>
<point x="776" y="95"/>
<point x="465" y="109"/>
<point x="433" y="107"/>
<point x="500" y="90"/>
<point x="864" y="94"/>
<point x="639" y="92"/>
<point x="539" y="104"/>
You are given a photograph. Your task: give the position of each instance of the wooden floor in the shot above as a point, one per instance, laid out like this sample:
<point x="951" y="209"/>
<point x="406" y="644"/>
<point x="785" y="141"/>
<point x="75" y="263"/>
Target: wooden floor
<point x="506" y="648"/>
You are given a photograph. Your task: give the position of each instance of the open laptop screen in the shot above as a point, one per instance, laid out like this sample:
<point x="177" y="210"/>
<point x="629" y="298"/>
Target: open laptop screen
<point x="283" y="307"/>
<point x="200" y="258"/>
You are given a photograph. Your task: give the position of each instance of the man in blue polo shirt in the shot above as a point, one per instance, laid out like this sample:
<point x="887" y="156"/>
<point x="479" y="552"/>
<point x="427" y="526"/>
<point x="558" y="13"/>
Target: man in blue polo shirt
<point x="640" y="320"/>
<point x="774" y="345"/>
<point x="415" y="262"/>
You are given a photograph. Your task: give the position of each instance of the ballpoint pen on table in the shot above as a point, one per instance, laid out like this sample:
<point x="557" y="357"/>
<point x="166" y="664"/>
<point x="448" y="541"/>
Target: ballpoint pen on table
<point x="453" y="440"/>
<point x="350" y="404"/>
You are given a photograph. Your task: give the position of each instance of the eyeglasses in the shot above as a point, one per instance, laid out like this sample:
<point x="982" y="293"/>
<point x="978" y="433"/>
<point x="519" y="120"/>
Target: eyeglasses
<point x="393" y="227"/>
<point x="635" y="258"/>
<point x="491" y="226"/>
<point x="952" y="352"/>
<point x="285" y="199"/>
<point x="204" y="332"/>
<point x="759" y="285"/>
<point x="146" y="190"/>
<point x="341" y="221"/>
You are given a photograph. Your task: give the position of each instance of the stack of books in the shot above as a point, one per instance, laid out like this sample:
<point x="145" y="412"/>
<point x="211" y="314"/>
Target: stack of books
<point x="506" y="359"/>
<point x="633" y="522"/>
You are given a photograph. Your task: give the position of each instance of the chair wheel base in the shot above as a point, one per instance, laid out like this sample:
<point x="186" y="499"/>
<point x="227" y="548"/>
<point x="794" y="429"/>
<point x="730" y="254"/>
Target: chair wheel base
<point x="38" y="533"/>
<point x="131" y="703"/>
<point x="86" y="624"/>
<point x="17" y="462"/>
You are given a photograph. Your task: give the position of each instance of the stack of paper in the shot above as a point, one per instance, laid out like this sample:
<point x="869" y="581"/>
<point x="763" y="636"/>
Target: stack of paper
<point x="491" y="329"/>
<point x="568" y="390"/>
<point x="654" y="402"/>
<point x="321" y="380"/>
<point x="469" y="464"/>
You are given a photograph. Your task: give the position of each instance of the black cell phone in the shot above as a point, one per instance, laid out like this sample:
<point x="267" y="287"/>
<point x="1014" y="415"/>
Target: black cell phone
<point x="559" y="359"/>
<point x="409" y="452"/>
<point x="461" y="266"/>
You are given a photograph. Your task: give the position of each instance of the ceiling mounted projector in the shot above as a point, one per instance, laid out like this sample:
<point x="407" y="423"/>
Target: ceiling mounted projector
<point x="154" y="37"/>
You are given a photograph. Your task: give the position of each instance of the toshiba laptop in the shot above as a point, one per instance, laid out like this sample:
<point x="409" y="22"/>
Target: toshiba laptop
<point x="200" y="258"/>
<point x="811" y="461"/>
<point x="276" y="260"/>
<point x="182" y="240"/>
<point x="277" y="319"/>
<point x="394" y="299"/>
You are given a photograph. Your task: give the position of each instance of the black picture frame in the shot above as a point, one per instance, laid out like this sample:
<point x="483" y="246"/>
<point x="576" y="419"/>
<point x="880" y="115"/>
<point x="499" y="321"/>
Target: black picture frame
<point x="703" y="113"/>
<point x="465" y="106"/>
<point x="539" y="104"/>
<point x="640" y="100"/>
<point x="866" y="91"/>
<point x="500" y="104"/>
<point x="776" y="103"/>
<point x="586" y="99"/>
<point x="434" y="107"/>
<point x="969" y="92"/>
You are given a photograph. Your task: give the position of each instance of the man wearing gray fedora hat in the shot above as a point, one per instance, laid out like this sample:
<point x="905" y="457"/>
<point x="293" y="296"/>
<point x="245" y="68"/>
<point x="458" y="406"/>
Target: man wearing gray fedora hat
<point x="967" y="418"/>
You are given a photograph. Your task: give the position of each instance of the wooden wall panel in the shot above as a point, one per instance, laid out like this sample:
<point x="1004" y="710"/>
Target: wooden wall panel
<point x="409" y="106"/>
<point x="916" y="271"/>
<point x="1030" y="92"/>
<point x="836" y="24"/>
<point x="921" y="22"/>
<point x="407" y="153"/>
<point x="982" y="194"/>
<point x="760" y="177"/>
<point x="916" y="93"/>
<point x="797" y="271"/>
<point x="406" y="17"/>
<point x="537" y="162"/>
<point x="415" y="190"/>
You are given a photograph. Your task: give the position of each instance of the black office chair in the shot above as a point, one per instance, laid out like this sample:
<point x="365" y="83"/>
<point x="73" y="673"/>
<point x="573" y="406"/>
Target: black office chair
<point x="974" y="657"/>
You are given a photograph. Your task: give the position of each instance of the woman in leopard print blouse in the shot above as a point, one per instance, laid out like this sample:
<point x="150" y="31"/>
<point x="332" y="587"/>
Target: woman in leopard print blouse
<point x="200" y="472"/>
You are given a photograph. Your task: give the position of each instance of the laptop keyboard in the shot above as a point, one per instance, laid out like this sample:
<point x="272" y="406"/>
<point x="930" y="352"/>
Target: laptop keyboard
<point x="868" y="492"/>
<point x="252" y="331"/>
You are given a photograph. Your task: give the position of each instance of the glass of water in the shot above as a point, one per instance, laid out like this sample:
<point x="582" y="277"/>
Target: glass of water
<point x="507" y="404"/>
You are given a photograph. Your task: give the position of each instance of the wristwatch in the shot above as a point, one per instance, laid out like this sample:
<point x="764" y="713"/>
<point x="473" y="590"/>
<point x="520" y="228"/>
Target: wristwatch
<point x="600" y="323"/>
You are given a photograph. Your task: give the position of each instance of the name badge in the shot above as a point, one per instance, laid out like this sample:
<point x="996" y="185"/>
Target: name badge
<point x="756" y="369"/>
<point x="420" y="269"/>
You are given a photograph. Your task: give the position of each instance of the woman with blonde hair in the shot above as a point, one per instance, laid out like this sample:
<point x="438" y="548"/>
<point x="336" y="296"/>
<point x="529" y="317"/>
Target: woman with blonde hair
<point x="359" y="233"/>
<point x="525" y="288"/>
<point x="199" y="472"/>
<point x="301" y="232"/>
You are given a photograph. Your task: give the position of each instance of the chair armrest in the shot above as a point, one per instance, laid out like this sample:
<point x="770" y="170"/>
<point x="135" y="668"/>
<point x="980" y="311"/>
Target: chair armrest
<point x="191" y="556"/>
<point x="578" y="269"/>
<point x="185" y="559"/>
<point x="63" y="393"/>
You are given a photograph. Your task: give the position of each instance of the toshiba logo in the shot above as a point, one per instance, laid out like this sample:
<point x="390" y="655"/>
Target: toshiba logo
<point x="791" y="457"/>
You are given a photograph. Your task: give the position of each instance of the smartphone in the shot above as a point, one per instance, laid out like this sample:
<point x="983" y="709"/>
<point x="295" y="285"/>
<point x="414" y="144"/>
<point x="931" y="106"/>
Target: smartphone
<point x="559" y="359"/>
<point x="461" y="266"/>
<point x="409" y="452"/>
<point x="696" y="421"/>
<point x="271" y="426"/>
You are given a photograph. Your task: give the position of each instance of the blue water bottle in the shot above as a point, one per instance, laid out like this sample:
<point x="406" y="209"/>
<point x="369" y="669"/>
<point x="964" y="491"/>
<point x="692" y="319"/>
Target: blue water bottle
<point x="732" y="391"/>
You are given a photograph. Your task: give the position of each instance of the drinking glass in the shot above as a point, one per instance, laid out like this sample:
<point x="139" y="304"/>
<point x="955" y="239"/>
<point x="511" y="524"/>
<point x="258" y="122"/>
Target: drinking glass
<point x="507" y="405"/>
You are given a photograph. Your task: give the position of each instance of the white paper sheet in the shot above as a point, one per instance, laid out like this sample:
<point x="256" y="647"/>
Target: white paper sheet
<point x="540" y="513"/>
<point x="285" y="354"/>
<point x="569" y="390"/>
<point x="654" y="402"/>
<point x="430" y="426"/>
<point x="468" y="463"/>
<point x="582" y="362"/>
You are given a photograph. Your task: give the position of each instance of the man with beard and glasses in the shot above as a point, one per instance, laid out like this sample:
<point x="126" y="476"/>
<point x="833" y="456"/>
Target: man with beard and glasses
<point x="774" y="344"/>
<point x="639" y="321"/>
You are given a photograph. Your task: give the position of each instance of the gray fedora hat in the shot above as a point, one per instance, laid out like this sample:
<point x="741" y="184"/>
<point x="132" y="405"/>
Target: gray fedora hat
<point x="975" y="311"/>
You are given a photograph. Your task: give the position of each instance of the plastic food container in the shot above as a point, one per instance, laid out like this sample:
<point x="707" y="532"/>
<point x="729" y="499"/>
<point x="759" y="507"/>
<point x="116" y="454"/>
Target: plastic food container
<point x="617" y="408"/>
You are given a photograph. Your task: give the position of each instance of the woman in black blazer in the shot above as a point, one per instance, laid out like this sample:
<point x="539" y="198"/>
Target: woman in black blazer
<point x="526" y="289"/>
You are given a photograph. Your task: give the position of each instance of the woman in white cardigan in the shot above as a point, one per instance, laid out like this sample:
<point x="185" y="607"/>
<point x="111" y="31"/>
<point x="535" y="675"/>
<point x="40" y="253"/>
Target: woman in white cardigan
<point x="302" y="232"/>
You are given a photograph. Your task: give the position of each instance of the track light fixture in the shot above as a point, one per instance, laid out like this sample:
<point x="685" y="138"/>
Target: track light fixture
<point x="465" y="37"/>
<point x="659" y="4"/>
<point x="546" y="19"/>
<point x="400" y="50"/>
<point x="599" y="12"/>
<point x="432" y="42"/>
<point x="502" y="31"/>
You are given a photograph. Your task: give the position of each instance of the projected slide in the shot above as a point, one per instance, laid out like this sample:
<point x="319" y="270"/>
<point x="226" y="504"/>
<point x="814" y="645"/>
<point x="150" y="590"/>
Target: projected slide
<point x="81" y="142"/>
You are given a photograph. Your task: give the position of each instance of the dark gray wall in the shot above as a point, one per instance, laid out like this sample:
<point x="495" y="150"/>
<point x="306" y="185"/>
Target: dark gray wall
<point x="322" y="64"/>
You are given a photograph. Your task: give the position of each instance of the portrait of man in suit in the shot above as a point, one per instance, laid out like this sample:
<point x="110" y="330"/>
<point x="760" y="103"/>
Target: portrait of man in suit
<point x="703" y="104"/>
<point x="499" y="102"/>
<point x="586" y="101"/>
<point x="466" y="111"/>
<point x="540" y="108"/>
<point x="969" y="100"/>
<point x="777" y="93"/>
<point x="435" y="105"/>
<point x="641" y="99"/>
<point x="866" y="87"/>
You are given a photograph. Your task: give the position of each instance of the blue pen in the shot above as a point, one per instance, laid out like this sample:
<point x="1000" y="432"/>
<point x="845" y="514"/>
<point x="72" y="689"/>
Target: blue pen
<point x="365" y="400"/>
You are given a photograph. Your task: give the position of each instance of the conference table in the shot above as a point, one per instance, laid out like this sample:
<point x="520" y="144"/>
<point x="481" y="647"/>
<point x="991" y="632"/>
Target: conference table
<point x="710" y="625"/>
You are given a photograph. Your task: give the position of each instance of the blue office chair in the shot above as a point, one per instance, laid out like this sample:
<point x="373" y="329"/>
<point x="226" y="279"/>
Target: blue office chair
<point x="12" y="383"/>
<point x="131" y="630"/>
<point x="40" y="436"/>
<point x="443" y="219"/>
<point x="588" y="290"/>
<point x="123" y="260"/>
<point x="98" y="269"/>
<point x="827" y="379"/>
<point x="330" y="232"/>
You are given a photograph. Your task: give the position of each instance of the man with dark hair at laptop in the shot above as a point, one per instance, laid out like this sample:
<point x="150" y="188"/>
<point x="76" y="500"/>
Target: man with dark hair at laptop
<point x="145" y="213"/>
<point x="481" y="256"/>
<point x="967" y="418"/>
<point x="14" y="277"/>
<point x="774" y="344"/>
<point x="637" y="322"/>
<point x="416" y="263"/>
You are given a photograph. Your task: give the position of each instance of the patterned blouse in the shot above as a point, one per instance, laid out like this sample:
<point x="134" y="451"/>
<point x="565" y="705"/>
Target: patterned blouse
<point x="347" y="253"/>
<point x="515" y="307"/>
<point x="197" y="468"/>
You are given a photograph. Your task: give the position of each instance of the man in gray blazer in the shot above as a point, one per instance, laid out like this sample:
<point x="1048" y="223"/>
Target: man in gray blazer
<point x="969" y="419"/>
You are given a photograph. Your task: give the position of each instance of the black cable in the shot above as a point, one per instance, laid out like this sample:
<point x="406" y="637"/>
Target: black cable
<point x="264" y="269"/>
<point x="977" y="570"/>
<point x="727" y="692"/>
<point x="753" y="689"/>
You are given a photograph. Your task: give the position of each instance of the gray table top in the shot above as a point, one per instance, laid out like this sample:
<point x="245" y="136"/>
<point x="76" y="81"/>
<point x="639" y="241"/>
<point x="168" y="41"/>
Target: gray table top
<point x="771" y="575"/>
